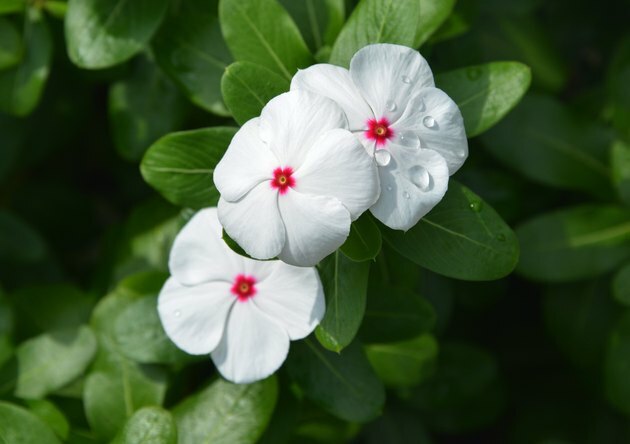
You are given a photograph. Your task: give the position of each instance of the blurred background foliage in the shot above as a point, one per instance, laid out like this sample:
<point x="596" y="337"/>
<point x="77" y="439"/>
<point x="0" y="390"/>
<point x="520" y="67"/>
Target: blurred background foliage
<point x="540" y="356"/>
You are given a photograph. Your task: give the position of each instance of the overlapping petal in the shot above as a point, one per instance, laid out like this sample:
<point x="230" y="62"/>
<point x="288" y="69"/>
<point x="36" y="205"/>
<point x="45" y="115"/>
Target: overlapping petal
<point x="253" y="347"/>
<point x="315" y="227"/>
<point x="247" y="162"/>
<point x="413" y="182"/>
<point x="194" y="317"/>
<point x="338" y="166"/>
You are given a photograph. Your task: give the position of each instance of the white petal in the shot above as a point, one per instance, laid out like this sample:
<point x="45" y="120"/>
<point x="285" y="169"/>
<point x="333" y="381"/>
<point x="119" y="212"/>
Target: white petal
<point x="254" y="222"/>
<point x="199" y="254"/>
<point x="247" y="162"/>
<point x="194" y="317"/>
<point x="411" y="185"/>
<point x="438" y="122"/>
<point x="335" y="83"/>
<point x="293" y="297"/>
<point x="338" y="166"/>
<point x="386" y="74"/>
<point x="253" y="346"/>
<point x="293" y="121"/>
<point x="315" y="226"/>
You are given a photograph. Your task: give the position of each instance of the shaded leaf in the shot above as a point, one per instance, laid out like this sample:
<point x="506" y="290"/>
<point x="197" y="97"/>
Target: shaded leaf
<point x="432" y="14"/>
<point x="620" y="163"/>
<point x="18" y="425"/>
<point x="50" y="415"/>
<point x="364" y="242"/>
<point x="150" y="425"/>
<point x="621" y="285"/>
<point x="10" y="44"/>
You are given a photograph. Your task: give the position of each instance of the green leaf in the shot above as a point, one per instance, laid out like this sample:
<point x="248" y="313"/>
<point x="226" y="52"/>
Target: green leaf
<point x="395" y="313"/>
<point x="552" y="149"/>
<point x="574" y="243"/>
<point x="377" y="21"/>
<point x="11" y="138"/>
<point x="620" y="163"/>
<point x="18" y="241"/>
<point x="10" y="6"/>
<point x="247" y="88"/>
<point x="104" y="33"/>
<point x="617" y="87"/>
<point x="57" y="9"/>
<point x="139" y="334"/>
<point x="343" y="384"/>
<point x="404" y="364"/>
<point x="462" y="237"/>
<point x="617" y="365"/>
<point x="18" y="425"/>
<point x="180" y="165"/>
<point x="620" y="285"/>
<point x="485" y="93"/>
<point x="136" y="110"/>
<point x="52" y="360"/>
<point x="432" y="14"/>
<point x="262" y="32"/>
<point x="50" y="415"/>
<point x="227" y="413"/>
<point x="345" y="286"/>
<point x="318" y="20"/>
<point x="364" y="242"/>
<point x="21" y="86"/>
<point x="10" y="44"/>
<point x="189" y="48"/>
<point x="150" y="425"/>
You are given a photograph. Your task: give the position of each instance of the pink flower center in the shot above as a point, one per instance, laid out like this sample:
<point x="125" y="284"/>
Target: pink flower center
<point x="379" y="131"/>
<point x="244" y="287"/>
<point x="283" y="179"/>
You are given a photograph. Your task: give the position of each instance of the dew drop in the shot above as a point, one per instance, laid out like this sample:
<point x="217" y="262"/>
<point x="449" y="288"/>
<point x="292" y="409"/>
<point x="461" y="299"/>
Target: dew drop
<point x="177" y="313"/>
<point x="409" y="139"/>
<point x="473" y="73"/>
<point x="420" y="106"/>
<point x="406" y="195"/>
<point x="389" y="187"/>
<point x="428" y="121"/>
<point x="391" y="105"/>
<point x="406" y="80"/>
<point x="420" y="177"/>
<point x="476" y="206"/>
<point x="461" y="153"/>
<point x="382" y="157"/>
<point x="501" y="237"/>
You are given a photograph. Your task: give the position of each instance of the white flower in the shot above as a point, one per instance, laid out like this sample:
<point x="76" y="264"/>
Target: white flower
<point x="243" y="312"/>
<point x="292" y="180"/>
<point x="414" y="130"/>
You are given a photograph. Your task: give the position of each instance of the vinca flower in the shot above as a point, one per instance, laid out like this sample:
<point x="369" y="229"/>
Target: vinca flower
<point x="293" y="180"/>
<point x="414" y="130"/>
<point x="240" y="311"/>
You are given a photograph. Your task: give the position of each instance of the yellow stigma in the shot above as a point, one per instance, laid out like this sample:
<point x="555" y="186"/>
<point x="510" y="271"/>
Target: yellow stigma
<point x="282" y="180"/>
<point x="380" y="130"/>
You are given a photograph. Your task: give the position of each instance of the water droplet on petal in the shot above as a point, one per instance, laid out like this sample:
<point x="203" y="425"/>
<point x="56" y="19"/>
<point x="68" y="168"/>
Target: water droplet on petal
<point x="420" y="177"/>
<point x="476" y="206"/>
<point x="391" y="105"/>
<point x="406" y="195"/>
<point x="473" y="73"/>
<point x="406" y="80"/>
<point x="428" y="121"/>
<point x="501" y="237"/>
<point x="420" y="106"/>
<point x="461" y="153"/>
<point x="389" y="187"/>
<point x="383" y="157"/>
<point x="177" y="313"/>
<point x="409" y="139"/>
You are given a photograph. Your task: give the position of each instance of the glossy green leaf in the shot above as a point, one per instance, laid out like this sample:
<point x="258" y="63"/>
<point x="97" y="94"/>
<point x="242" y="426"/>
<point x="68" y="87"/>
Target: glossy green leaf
<point x="180" y="165"/>
<point x="395" y="313"/>
<point x="189" y="48"/>
<point x="404" y="364"/>
<point x="485" y="93"/>
<point x="10" y="44"/>
<point x="552" y="149"/>
<point x="137" y="110"/>
<point x="52" y="360"/>
<point x="104" y="33"/>
<point x="343" y="384"/>
<point x="262" y="32"/>
<point x="50" y="415"/>
<point x="22" y="85"/>
<point x="18" y="241"/>
<point x="432" y="14"/>
<point x="227" y="413"/>
<point x="574" y="243"/>
<point x="621" y="285"/>
<point x="150" y="425"/>
<point x="462" y="237"/>
<point x="318" y="20"/>
<point x="377" y="21"/>
<point x="247" y="88"/>
<point x="19" y="426"/>
<point x="617" y="365"/>
<point x="56" y="8"/>
<point x="364" y="242"/>
<point x="9" y="6"/>
<point x="620" y="163"/>
<point x="345" y="286"/>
